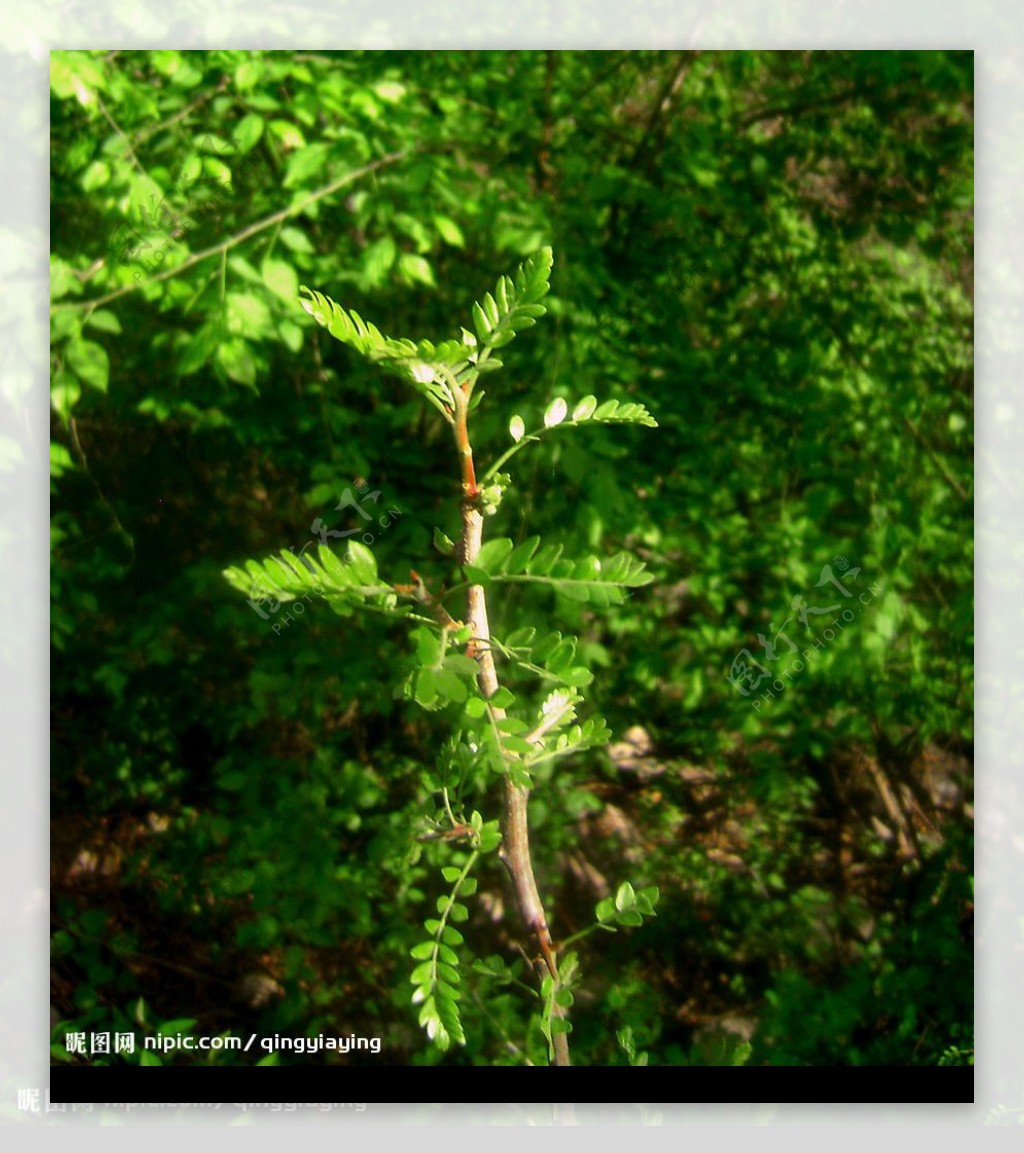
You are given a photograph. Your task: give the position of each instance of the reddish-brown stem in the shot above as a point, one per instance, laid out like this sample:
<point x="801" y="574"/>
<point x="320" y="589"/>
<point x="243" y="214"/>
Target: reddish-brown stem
<point x="470" y="491"/>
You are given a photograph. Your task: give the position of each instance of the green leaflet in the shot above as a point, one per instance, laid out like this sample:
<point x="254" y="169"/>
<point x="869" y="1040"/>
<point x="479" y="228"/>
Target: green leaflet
<point x="344" y="584"/>
<point x="611" y="412"/>
<point x="430" y="369"/>
<point x="588" y="409"/>
<point x="628" y="907"/>
<point x="515" y="303"/>
<point x="513" y="746"/>
<point x="434" y="370"/>
<point x="589" y="580"/>
<point x="584" y="411"/>
<point x="436" y="979"/>
<point x="550" y="657"/>
<point x="439" y="677"/>
<point x="592" y="734"/>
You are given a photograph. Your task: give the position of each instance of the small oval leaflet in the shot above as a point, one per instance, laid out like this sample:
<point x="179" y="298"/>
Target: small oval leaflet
<point x="555" y="413"/>
<point x="585" y="409"/>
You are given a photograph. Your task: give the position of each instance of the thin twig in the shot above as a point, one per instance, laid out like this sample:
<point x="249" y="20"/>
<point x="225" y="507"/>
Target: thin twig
<point x="934" y="457"/>
<point x="202" y="98"/>
<point x="124" y="138"/>
<point x="249" y="230"/>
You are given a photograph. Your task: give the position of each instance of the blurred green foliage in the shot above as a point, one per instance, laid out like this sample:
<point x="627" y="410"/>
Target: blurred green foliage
<point x="773" y="252"/>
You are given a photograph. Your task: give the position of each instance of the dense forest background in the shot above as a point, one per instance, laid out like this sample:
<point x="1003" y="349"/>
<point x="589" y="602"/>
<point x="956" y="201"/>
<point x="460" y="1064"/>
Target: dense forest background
<point x="772" y="251"/>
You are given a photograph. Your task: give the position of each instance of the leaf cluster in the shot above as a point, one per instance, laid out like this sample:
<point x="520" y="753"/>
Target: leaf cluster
<point x="628" y="907"/>
<point x="344" y="584"/>
<point x="515" y="304"/>
<point x="436" y="371"/>
<point x="437" y="979"/>
<point x="587" y="580"/>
